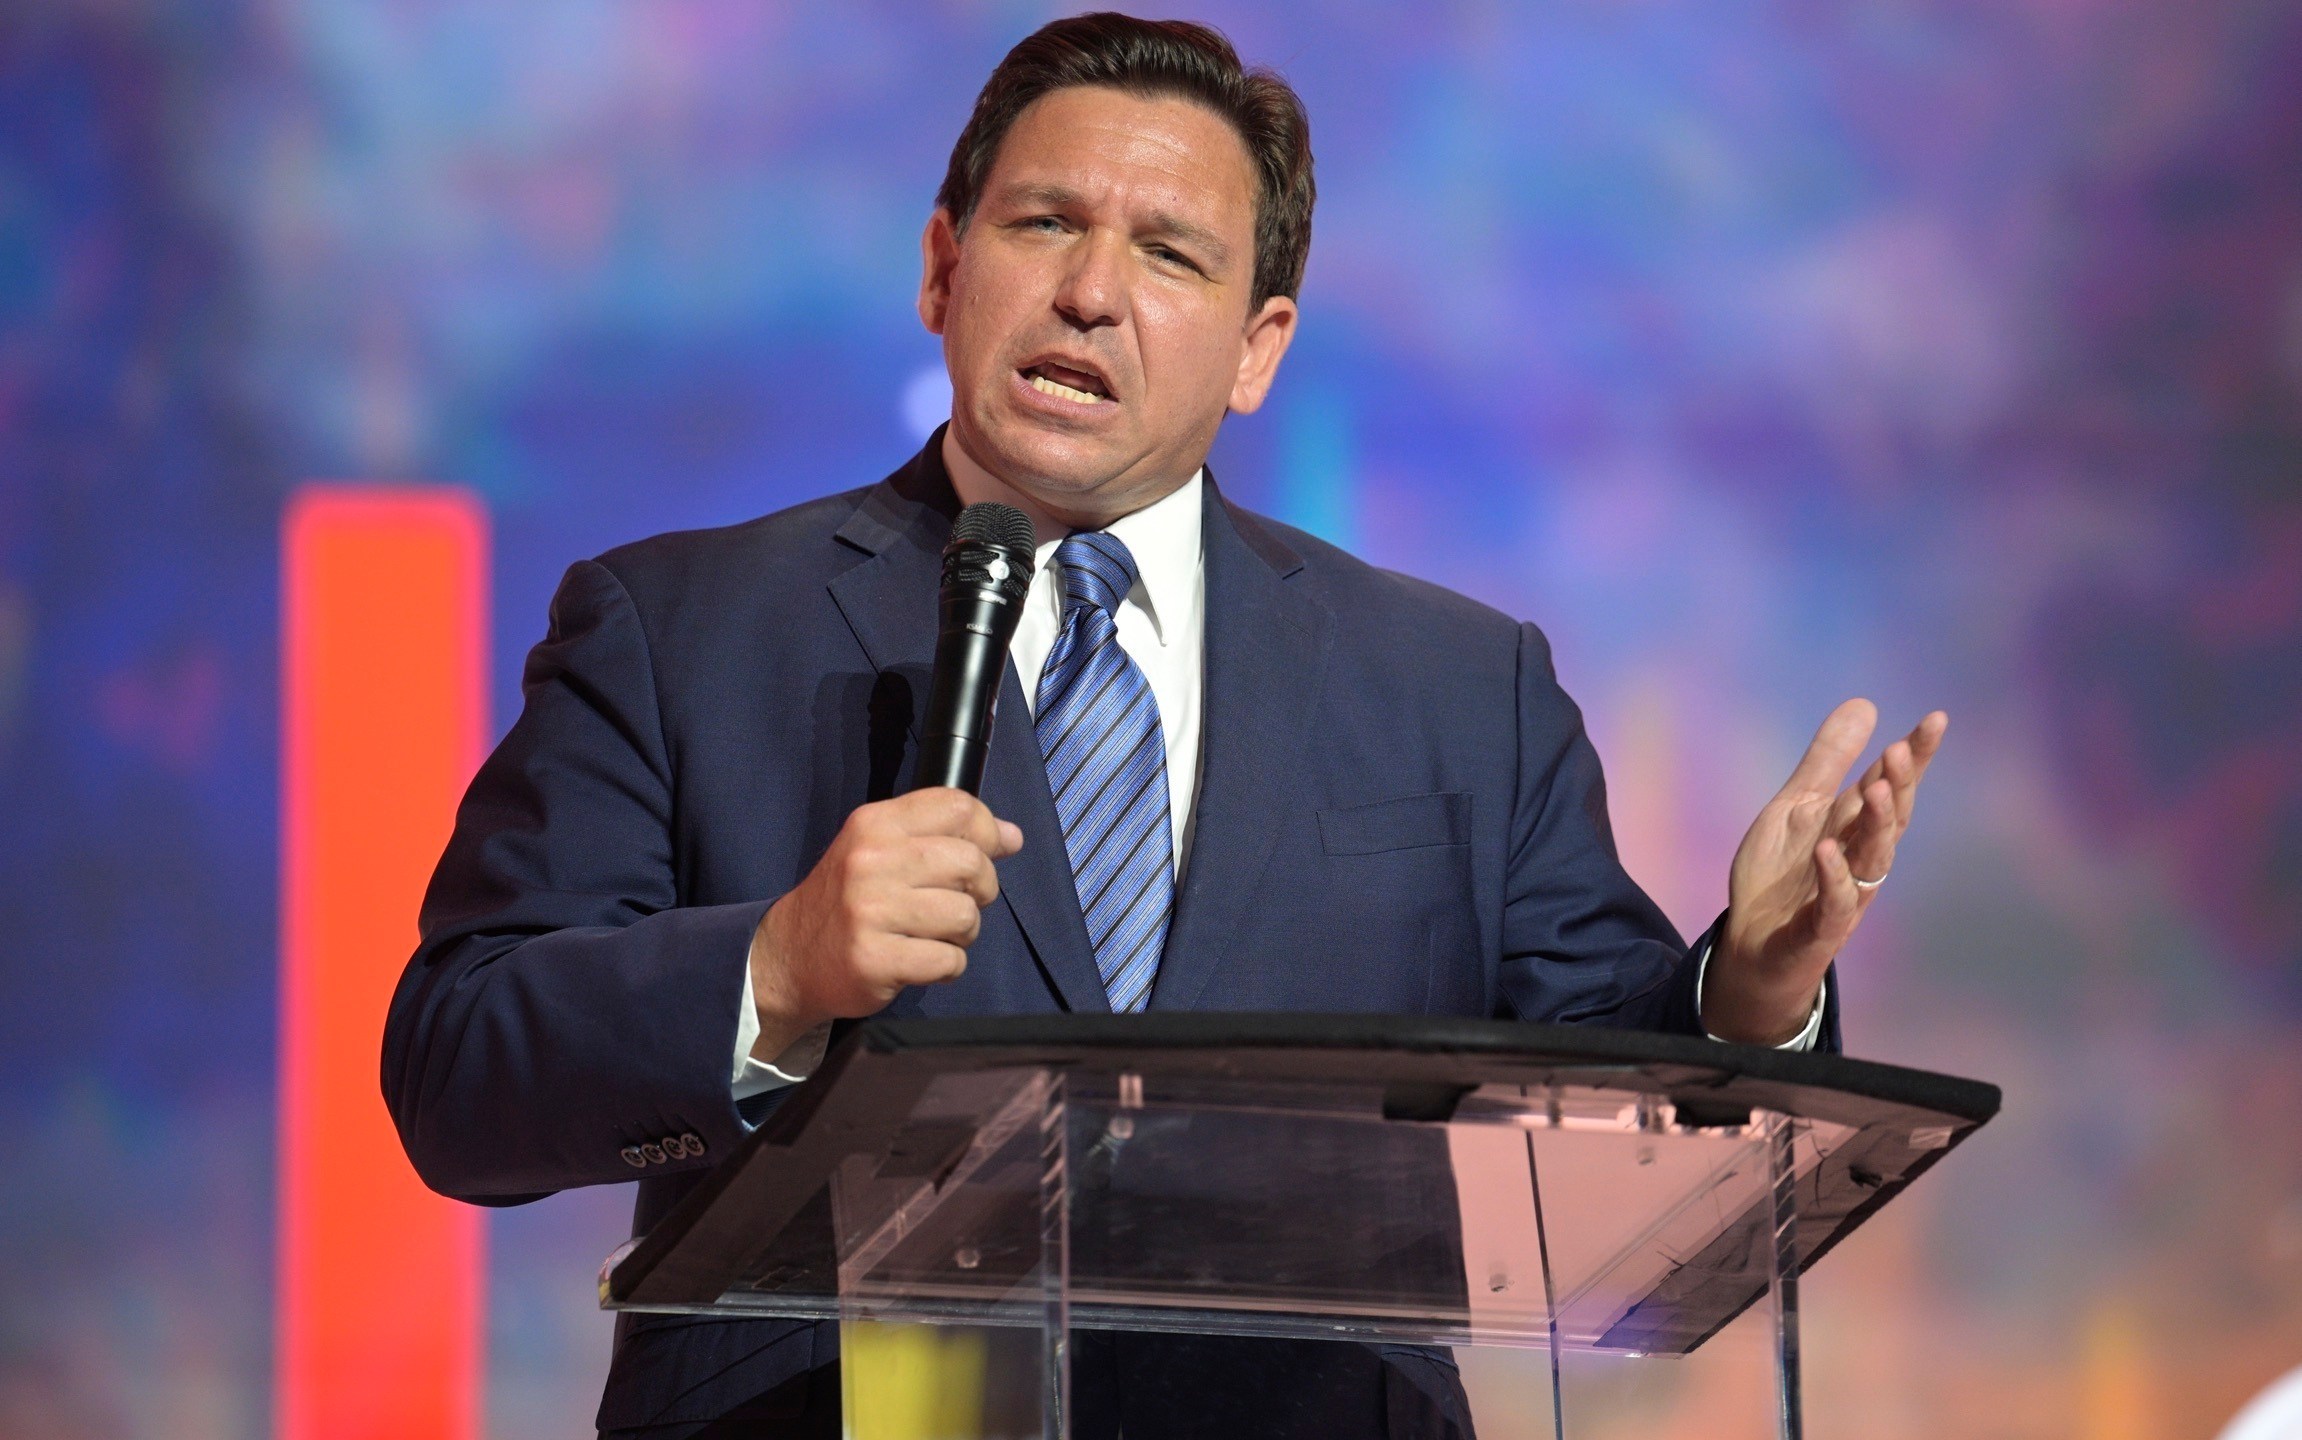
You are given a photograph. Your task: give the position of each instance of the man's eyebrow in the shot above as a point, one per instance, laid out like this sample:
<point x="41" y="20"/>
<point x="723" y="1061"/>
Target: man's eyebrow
<point x="1163" y="222"/>
<point x="1191" y="233"/>
<point x="1054" y="197"/>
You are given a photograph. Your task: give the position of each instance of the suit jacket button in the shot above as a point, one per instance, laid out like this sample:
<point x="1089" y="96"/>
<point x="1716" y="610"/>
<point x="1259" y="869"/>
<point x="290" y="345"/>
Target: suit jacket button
<point x="675" y="1147"/>
<point x="653" y="1152"/>
<point x="694" y="1144"/>
<point x="633" y="1157"/>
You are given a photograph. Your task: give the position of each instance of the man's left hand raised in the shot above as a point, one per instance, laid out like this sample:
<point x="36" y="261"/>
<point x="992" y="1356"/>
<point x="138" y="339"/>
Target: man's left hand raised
<point x="1807" y="871"/>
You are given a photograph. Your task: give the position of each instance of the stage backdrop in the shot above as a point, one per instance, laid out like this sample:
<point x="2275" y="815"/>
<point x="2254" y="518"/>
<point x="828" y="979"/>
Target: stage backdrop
<point x="1943" y="351"/>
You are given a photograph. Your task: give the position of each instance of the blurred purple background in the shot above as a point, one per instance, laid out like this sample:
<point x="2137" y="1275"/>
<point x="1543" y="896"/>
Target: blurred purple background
<point x="1943" y="351"/>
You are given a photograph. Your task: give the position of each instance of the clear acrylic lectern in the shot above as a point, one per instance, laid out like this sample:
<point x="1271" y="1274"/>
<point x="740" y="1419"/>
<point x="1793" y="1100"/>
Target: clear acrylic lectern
<point x="1404" y="1181"/>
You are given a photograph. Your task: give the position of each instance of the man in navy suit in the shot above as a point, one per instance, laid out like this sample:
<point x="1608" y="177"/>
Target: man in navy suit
<point x="1233" y="768"/>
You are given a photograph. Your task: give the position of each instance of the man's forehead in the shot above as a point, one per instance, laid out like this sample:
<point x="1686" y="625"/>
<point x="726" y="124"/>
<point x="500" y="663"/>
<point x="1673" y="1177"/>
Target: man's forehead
<point x="1092" y="145"/>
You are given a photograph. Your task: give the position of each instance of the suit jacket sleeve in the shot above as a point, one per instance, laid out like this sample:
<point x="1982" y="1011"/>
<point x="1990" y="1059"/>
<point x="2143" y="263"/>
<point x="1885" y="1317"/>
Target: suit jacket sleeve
<point x="1581" y="941"/>
<point x="562" y="1004"/>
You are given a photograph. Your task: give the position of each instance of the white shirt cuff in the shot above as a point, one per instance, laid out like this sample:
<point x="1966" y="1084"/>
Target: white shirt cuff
<point x="798" y="1060"/>
<point x="1805" y="1039"/>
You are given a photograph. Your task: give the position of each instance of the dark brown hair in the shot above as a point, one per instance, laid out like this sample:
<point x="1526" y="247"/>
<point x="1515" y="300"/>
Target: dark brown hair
<point x="1152" y="58"/>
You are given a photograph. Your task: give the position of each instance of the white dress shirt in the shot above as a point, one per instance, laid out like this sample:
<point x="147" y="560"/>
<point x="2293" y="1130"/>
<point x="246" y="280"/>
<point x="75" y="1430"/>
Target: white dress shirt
<point x="1162" y="626"/>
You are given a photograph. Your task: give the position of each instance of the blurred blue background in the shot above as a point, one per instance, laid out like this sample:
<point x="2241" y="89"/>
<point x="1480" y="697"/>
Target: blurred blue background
<point x="1943" y="351"/>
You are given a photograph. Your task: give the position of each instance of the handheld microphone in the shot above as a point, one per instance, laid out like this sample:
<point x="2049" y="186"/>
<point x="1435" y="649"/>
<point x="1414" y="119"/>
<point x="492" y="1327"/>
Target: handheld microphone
<point x="986" y="573"/>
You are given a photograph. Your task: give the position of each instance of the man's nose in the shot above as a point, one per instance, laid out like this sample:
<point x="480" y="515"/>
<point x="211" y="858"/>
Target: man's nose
<point x="1094" y="289"/>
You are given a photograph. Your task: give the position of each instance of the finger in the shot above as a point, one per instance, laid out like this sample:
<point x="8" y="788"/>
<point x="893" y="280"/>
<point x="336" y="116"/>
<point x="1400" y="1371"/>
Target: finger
<point x="908" y="961"/>
<point x="1877" y="768"/>
<point x="941" y="810"/>
<point x="1834" y="749"/>
<point x="1845" y="810"/>
<point x="1010" y="839"/>
<point x="1900" y="770"/>
<point x="946" y="862"/>
<point x="936" y="810"/>
<point x="1900" y="765"/>
<point x="947" y="915"/>
<point x="1926" y="742"/>
<point x="1837" y="902"/>
<point x="1916" y="751"/>
<point x="1869" y="851"/>
<point x="981" y="829"/>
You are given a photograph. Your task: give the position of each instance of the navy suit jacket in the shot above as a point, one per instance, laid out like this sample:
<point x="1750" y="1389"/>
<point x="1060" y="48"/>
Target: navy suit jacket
<point x="1399" y="811"/>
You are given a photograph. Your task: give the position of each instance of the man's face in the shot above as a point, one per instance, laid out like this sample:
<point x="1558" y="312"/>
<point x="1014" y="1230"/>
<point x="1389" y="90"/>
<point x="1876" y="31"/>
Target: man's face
<point x="1094" y="314"/>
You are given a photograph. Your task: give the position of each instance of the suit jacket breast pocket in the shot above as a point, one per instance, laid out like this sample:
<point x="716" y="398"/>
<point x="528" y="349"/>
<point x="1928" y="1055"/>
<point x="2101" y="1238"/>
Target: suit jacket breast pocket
<point x="1395" y="914"/>
<point x="1411" y="822"/>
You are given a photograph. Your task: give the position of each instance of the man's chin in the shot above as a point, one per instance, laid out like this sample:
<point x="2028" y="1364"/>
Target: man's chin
<point x="1050" y="466"/>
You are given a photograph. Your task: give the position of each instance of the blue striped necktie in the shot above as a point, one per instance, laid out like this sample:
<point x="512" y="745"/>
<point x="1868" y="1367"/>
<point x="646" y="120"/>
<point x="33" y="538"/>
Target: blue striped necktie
<point x="1098" y="727"/>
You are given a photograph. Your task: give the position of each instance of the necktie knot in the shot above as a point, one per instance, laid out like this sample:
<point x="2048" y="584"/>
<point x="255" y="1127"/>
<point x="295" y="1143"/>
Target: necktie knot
<point x="1097" y="570"/>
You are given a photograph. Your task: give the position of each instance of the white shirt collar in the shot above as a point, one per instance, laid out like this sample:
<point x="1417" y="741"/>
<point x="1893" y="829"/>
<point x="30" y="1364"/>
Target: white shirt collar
<point x="1164" y="539"/>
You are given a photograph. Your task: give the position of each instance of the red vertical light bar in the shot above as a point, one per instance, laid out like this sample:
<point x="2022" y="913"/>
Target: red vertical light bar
<point x="383" y="669"/>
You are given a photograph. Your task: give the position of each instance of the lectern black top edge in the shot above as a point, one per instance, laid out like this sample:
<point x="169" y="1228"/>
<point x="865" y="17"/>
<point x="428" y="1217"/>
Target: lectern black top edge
<point x="1101" y="1040"/>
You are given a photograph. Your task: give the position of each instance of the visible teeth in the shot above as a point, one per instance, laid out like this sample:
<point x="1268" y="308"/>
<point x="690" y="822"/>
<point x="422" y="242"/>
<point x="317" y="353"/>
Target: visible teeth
<point x="1049" y="387"/>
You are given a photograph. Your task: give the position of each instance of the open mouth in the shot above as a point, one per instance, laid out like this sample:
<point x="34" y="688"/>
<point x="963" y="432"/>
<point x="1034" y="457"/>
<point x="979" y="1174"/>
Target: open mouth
<point x="1081" y="387"/>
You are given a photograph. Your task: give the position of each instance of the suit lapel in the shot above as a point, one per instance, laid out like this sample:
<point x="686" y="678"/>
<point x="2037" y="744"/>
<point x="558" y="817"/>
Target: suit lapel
<point x="1266" y="650"/>
<point x="888" y="601"/>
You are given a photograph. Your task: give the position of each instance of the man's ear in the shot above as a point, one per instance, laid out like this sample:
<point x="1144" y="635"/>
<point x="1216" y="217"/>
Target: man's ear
<point x="1269" y="331"/>
<point x="938" y="257"/>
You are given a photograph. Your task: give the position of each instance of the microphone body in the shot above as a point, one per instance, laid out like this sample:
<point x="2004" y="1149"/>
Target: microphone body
<point x="986" y="574"/>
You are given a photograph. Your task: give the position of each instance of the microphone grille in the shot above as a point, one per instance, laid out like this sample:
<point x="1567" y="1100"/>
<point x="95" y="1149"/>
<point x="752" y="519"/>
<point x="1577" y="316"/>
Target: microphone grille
<point x="1002" y="526"/>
